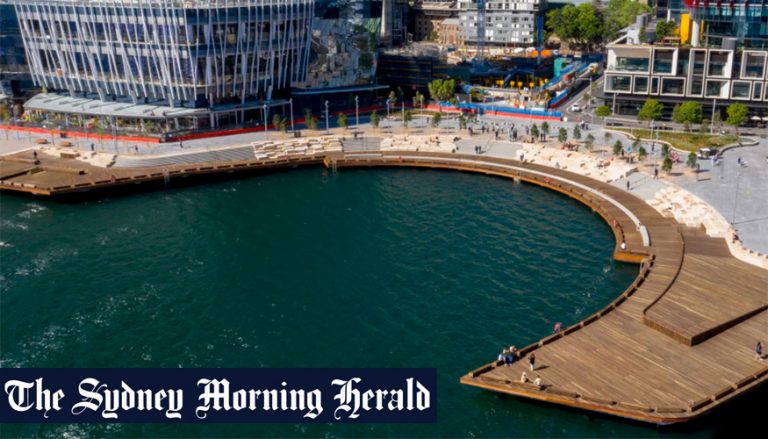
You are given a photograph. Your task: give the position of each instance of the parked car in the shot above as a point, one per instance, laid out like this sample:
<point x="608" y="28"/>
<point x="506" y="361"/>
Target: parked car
<point x="575" y="108"/>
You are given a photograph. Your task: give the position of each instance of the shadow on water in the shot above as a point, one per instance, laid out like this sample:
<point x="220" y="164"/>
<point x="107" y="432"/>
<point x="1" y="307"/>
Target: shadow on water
<point x="721" y="422"/>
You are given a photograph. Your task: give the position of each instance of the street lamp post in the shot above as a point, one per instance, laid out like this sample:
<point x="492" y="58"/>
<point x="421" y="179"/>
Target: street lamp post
<point x="388" y="102"/>
<point x="402" y="106"/>
<point x="357" y="111"/>
<point x="326" y="116"/>
<point x="290" y="103"/>
<point x="712" y="127"/>
<point x="266" y="127"/>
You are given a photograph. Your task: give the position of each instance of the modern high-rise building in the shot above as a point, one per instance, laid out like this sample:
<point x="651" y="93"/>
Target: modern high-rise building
<point x="14" y="73"/>
<point x="716" y="62"/>
<point x="744" y="20"/>
<point x="507" y="22"/>
<point x="196" y="63"/>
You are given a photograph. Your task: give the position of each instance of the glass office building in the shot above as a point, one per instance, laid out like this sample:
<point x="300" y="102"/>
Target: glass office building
<point x="197" y="62"/>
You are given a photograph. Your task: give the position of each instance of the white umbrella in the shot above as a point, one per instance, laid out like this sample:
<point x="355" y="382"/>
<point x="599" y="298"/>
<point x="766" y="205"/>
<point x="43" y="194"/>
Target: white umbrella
<point x="756" y="118"/>
<point x="765" y="118"/>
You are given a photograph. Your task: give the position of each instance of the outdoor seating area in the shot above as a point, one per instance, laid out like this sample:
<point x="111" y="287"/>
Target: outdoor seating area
<point x="603" y="170"/>
<point x="273" y="149"/>
<point x="435" y="143"/>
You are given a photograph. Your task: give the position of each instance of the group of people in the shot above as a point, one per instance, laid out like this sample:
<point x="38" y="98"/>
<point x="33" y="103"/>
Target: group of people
<point x="509" y="356"/>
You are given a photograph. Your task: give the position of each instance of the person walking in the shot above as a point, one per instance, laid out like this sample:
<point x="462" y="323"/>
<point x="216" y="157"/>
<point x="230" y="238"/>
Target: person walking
<point x="759" y="351"/>
<point x="627" y="184"/>
<point x="532" y="361"/>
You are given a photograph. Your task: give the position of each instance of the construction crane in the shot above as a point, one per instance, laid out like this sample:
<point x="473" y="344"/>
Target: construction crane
<point x="480" y="29"/>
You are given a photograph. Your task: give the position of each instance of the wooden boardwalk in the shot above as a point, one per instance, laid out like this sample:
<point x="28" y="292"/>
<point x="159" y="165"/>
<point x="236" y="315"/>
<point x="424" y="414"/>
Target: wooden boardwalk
<point x="675" y="344"/>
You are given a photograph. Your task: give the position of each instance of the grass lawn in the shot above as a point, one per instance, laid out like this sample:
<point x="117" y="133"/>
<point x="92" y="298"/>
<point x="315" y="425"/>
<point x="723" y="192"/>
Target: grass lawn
<point x="686" y="141"/>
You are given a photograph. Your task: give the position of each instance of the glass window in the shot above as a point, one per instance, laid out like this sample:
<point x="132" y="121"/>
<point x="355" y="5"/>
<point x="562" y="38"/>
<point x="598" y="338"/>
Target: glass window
<point x="716" y="89"/>
<point x="662" y="61"/>
<point x="674" y="86"/>
<point x="654" y="86"/>
<point x="641" y="84"/>
<point x="629" y="64"/>
<point x="757" y="92"/>
<point x="620" y="83"/>
<point x="697" y="85"/>
<point x="754" y="65"/>
<point x="740" y="90"/>
<point x="717" y="64"/>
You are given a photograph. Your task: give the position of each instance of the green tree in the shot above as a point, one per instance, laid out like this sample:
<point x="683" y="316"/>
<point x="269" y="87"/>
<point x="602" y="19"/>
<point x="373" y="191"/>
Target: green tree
<point x="636" y="144"/>
<point x="652" y="110"/>
<point x="690" y="112"/>
<point x="619" y="14"/>
<point x="545" y="128"/>
<point x="589" y="142"/>
<point x="603" y="111"/>
<point x="407" y="117"/>
<point x="665" y="29"/>
<point x="717" y="120"/>
<point x="535" y="132"/>
<point x="607" y="136"/>
<point x="704" y="127"/>
<point x="642" y="153"/>
<point x="665" y="150"/>
<point x="392" y="98"/>
<point x="375" y="119"/>
<point x="441" y="90"/>
<point x="5" y="111"/>
<point x="462" y="122"/>
<point x="580" y="26"/>
<point x="342" y="120"/>
<point x="691" y="160"/>
<point x="284" y="125"/>
<point x="418" y="100"/>
<point x="436" y="118"/>
<point x="276" y="119"/>
<point x="666" y="165"/>
<point x="311" y="122"/>
<point x="576" y="132"/>
<point x="737" y="115"/>
<point x="617" y="147"/>
<point x="562" y="134"/>
<point x="643" y="35"/>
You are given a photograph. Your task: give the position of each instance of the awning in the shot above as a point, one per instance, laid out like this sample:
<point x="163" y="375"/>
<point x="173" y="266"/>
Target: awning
<point x="95" y="107"/>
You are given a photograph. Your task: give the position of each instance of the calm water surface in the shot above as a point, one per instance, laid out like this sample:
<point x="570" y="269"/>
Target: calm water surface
<point x="374" y="268"/>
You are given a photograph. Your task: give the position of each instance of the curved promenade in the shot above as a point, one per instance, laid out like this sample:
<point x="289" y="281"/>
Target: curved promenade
<point x="677" y="343"/>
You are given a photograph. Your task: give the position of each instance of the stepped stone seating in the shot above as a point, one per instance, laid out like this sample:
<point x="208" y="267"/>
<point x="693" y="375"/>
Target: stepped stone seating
<point x="434" y="143"/>
<point x="603" y="170"/>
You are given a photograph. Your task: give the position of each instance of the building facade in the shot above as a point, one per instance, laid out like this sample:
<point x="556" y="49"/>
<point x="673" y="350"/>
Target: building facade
<point x="507" y="22"/>
<point x="213" y="56"/>
<point x="14" y="73"/>
<point x="450" y="33"/>
<point x="428" y="15"/>
<point x="715" y="77"/>
<point x="744" y="20"/>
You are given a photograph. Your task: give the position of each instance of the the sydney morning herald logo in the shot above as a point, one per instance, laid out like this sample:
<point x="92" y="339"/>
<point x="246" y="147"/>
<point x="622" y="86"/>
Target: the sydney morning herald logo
<point x="218" y="395"/>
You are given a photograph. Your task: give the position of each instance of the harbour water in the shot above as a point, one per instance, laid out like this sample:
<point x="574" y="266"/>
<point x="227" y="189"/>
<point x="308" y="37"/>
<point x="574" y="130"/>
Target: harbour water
<point x="364" y="268"/>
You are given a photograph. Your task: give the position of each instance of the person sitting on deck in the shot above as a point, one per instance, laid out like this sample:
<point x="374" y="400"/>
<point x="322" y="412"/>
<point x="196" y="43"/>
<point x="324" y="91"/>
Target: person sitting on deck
<point x="759" y="351"/>
<point x="513" y="353"/>
<point x="524" y="377"/>
<point x="537" y="381"/>
<point x="623" y="245"/>
<point x="557" y="328"/>
<point x="502" y="355"/>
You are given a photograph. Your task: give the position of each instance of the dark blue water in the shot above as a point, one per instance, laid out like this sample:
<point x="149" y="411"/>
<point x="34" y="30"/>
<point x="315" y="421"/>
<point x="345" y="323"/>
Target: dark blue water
<point x="373" y="268"/>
